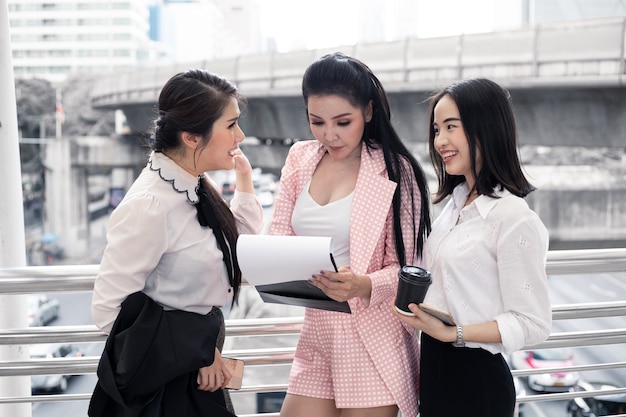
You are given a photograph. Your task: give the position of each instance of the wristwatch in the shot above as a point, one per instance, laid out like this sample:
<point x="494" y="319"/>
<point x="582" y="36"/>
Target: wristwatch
<point x="459" y="337"/>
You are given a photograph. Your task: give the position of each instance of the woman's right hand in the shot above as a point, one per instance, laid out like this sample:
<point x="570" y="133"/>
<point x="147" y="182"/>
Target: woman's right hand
<point x="343" y="285"/>
<point x="241" y="164"/>
<point x="243" y="172"/>
<point x="214" y="377"/>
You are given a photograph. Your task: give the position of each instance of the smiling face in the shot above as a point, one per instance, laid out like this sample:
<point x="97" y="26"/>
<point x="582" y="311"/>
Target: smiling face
<point x="225" y="138"/>
<point x="337" y="124"/>
<point x="451" y="142"/>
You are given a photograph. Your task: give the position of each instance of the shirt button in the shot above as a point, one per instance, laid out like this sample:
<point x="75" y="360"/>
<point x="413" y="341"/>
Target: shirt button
<point x="229" y="290"/>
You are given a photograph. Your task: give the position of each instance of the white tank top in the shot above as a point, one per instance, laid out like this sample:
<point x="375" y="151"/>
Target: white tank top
<point x="333" y="219"/>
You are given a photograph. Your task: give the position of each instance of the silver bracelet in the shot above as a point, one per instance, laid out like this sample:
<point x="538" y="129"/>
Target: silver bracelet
<point x="459" y="337"/>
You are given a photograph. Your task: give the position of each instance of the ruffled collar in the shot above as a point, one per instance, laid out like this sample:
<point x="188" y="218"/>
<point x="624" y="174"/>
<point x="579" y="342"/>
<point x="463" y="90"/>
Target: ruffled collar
<point x="169" y="171"/>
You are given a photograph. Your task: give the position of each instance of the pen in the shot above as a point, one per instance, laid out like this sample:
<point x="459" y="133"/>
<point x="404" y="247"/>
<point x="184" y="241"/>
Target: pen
<point x="333" y="261"/>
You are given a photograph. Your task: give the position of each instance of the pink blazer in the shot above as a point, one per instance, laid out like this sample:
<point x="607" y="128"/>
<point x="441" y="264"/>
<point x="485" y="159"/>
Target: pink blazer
<point x="392" y="346"/>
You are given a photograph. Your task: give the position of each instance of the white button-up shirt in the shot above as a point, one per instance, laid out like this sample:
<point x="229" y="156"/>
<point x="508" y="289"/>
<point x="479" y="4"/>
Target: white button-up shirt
<point x="487" y="262"/>
<point x="156" y="245"/>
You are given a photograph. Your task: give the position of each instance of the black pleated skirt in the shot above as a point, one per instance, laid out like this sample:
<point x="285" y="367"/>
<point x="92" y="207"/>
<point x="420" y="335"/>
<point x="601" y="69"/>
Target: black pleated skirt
<point x="468" y="382"/>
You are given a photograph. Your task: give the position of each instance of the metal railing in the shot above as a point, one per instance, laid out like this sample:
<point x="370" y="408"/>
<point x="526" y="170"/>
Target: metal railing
<point x="77" y="278"/>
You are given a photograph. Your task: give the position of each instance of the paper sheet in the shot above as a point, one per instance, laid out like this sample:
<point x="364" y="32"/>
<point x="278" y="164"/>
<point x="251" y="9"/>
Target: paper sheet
<point x="271" y="259"/>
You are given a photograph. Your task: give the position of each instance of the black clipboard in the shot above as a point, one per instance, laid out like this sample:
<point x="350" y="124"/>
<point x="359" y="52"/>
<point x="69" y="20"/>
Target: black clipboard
<point x="300" y="293"/>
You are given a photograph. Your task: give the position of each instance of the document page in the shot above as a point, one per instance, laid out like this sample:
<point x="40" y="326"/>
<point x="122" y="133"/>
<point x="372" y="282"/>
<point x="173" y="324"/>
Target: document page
<point x="271" y="259"/>
<point x="280" y="267"/>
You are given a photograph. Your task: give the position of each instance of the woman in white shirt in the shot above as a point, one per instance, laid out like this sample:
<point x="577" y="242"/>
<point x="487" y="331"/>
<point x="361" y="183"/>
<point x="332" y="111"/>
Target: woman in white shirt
<point x="173" y="236"/>
<point x="486" y="252"/>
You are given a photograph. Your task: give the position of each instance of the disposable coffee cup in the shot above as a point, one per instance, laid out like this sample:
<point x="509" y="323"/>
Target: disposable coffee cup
<point x="413" y="283"/>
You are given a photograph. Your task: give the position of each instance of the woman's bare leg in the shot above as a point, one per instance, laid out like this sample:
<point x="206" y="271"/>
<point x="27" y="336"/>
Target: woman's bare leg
<point x="301" y="406"/>
<point x="385" y="411"/>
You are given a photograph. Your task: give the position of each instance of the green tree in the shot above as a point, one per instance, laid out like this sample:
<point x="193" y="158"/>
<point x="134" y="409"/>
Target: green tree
<point x="36" y="113"/>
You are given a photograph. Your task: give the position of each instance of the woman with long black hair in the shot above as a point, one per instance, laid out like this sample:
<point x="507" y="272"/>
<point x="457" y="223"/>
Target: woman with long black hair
<point x="359" y="184"/>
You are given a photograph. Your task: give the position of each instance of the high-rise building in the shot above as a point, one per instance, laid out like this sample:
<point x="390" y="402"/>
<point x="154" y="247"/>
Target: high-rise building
<point x="53" y="38"/>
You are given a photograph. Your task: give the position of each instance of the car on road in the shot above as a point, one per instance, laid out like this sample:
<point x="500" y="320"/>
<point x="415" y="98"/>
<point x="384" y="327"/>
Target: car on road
<point x="42" y="309"/>
<point x="265" y="187"/>
<point x="560" y="381"/>
<point x="598" y="405"/>
<point x="265" y="182"/>
<point x="228" y="190"/>
<point x="46" y="384"/>
<point x="266" y="198"/>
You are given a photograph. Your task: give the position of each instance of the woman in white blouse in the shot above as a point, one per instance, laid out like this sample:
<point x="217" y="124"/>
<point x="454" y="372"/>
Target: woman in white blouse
<point x="487" y="254"/>
<point x="172" y="237"/>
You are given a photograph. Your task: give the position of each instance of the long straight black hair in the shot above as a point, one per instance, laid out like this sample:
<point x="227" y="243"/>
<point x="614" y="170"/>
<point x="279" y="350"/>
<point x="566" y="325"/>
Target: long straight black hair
<point x="347" y="77"/>
<point x="489" y="123"/>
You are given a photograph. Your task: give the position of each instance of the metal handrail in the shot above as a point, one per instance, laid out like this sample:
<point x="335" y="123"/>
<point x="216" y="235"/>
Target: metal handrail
<point x="276" y="326"/>
<point x="587" y="338"/>
<point x="31" y="279"/>
<point x="582" y="338"/>
<point x="588" y="310"/>
<point x="89" y="364"/>
<point x="569" y="395"/>
<point x="266" y="356"/>
<point x="571" y="368"/>
<point x="81" y="278"/>
<point x="51" y="334"/>
<point x="23" y="280"/>
<point x="580" y="261"/>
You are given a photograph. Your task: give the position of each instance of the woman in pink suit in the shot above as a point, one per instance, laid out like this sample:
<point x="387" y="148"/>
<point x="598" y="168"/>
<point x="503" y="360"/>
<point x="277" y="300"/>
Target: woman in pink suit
<point x="359" y="184"/>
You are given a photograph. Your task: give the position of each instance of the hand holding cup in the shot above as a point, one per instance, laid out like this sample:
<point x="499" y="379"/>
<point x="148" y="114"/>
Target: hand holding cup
<point x="413" y="283"/>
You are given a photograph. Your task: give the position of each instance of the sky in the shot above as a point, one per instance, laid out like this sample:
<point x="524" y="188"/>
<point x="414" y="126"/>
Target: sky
<point x="290" y="25"/>
<point x="325" y="23"/>
<point x="319" y="23"/>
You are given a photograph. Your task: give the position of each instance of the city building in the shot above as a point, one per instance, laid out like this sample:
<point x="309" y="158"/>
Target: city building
<point x="53" y="38"/>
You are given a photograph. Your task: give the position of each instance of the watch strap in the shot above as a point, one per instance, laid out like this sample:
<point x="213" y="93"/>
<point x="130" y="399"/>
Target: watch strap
<point x="459" y="337"/>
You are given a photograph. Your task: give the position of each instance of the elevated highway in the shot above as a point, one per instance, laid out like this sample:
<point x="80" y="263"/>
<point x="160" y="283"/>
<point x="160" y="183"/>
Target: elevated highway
<point x="567" y="82"/>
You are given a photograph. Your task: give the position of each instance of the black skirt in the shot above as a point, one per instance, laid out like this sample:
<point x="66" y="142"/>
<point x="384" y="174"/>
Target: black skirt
<point x="468" y="382"/>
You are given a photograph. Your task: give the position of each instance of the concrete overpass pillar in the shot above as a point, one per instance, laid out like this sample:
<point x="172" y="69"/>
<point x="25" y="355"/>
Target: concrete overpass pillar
<point x="66" y="199"/>
<point x="13" y="312"/>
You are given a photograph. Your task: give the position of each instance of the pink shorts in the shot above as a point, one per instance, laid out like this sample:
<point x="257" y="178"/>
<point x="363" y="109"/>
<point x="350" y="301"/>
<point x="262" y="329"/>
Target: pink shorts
<point x="331" y="363"/>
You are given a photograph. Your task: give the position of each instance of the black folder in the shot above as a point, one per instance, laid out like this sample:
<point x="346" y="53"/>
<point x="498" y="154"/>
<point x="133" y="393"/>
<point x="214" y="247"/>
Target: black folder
<point x="300" y="293"/>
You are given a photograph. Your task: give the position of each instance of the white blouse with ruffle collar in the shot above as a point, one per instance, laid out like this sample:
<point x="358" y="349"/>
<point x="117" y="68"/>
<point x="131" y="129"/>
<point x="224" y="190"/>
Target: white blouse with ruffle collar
<point x="156" y="245"/>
